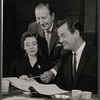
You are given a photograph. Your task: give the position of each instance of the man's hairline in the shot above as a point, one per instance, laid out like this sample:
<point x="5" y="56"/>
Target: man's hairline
<point x="66" y="27"/>
<point x="45" y="7"/>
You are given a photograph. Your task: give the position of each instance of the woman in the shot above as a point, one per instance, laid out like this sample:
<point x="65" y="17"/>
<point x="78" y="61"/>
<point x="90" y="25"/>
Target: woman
<point x="31" y="64"/>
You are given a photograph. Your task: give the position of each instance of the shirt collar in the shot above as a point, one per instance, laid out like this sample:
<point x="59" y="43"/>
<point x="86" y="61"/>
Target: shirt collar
<point x="80" y="48"/>
<point x="50" y="29"/>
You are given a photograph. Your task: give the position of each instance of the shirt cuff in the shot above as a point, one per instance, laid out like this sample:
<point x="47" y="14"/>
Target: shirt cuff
<point x="54" y="72"/>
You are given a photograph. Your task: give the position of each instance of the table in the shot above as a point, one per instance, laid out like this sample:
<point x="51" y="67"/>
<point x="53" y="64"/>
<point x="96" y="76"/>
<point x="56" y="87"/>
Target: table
<point x="17" y="92"/>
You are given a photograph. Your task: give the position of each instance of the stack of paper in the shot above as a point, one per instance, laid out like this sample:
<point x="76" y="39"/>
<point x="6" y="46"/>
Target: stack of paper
<point x="47" y="89"/>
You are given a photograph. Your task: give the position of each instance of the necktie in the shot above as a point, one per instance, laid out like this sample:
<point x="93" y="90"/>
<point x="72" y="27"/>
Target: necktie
<point x="47" y="36"/>
<point x="74" y="65"/>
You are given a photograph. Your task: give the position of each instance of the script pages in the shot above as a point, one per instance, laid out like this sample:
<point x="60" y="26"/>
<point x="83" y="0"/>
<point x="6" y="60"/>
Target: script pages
<point x="46" y="89"/>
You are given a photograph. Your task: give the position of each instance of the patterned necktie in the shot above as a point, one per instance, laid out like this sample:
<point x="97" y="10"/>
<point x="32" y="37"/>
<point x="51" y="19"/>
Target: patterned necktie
<point x="47" y="36"/>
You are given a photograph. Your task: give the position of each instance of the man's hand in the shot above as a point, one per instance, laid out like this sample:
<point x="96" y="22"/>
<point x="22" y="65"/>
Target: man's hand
<point x="46" y="76"/>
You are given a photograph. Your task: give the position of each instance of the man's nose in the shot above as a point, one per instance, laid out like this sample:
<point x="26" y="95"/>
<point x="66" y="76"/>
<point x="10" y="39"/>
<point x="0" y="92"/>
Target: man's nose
<point x="60" y="40"/>
<point x="41" y="21"/>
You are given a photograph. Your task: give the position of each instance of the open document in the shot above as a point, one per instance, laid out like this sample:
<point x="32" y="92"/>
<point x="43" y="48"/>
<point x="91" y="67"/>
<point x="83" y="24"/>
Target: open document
<point x="20" y="98"/>
<point x="47" y="89"/>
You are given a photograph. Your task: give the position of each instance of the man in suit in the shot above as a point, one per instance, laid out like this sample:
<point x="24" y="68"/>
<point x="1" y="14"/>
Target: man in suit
<point x="78" y="67"/>
<point x="49" y="46"/>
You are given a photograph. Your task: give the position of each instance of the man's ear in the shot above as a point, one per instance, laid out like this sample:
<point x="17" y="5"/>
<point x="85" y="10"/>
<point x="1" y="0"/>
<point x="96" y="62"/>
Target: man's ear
<point x="24" y="48"/>
<point x="53" y="16"/>
<point x="77" y="33"/>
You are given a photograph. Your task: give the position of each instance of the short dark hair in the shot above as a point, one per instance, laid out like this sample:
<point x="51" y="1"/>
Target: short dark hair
<point x="49" y="7"/>
<point x="27" y="34"/>
<point x="73" y="24"/>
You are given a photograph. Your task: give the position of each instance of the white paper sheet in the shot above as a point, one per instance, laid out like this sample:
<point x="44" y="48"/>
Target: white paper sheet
<point x="47" y="89"/>
<point x="20" y="98"/>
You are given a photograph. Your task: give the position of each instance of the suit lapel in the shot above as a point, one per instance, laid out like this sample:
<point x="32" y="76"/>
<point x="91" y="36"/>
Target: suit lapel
<point x="82" y="62"/>
<point x="41" y="32"/>
<point x="43" y="43"/>
<point x="68" y="69"/>
<point x="54" y="36"/>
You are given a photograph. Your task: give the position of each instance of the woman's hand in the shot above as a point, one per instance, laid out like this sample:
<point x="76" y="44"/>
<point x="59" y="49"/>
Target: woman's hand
<point x="30" y="79"/>
<point x="23" y="77"/>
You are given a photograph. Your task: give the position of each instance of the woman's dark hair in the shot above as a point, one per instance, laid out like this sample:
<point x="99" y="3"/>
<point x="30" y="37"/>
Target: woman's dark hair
<point x="27" y="34"/>
<point x="49" y="7"/>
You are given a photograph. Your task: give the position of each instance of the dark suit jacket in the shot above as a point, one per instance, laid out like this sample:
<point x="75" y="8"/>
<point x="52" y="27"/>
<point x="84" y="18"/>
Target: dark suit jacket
<point x="22" y="67"/>
<point x="87" y="73"/>
<point x="56" y="49"/>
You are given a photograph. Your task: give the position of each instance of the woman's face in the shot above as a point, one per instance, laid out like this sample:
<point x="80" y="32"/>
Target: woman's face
<point x="30" y="46"/>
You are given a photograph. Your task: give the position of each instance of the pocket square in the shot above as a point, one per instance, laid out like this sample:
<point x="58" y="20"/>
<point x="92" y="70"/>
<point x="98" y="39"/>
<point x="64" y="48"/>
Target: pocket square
<point x="59" y="45"/>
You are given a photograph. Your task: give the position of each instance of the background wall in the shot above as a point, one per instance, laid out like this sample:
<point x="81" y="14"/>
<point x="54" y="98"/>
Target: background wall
<point x="19" y="13"/>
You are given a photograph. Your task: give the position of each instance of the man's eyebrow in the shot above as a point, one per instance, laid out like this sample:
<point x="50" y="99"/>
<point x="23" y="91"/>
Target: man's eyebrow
<point x="62" y="34"/>
<point x="27" y="43"/>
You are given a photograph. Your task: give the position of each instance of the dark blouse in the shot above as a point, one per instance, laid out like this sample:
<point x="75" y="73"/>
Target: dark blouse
<point x="22" y="66"/>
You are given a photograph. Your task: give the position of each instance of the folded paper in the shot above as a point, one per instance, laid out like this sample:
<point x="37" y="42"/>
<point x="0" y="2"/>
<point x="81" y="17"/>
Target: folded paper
<point x="47" y="89"/>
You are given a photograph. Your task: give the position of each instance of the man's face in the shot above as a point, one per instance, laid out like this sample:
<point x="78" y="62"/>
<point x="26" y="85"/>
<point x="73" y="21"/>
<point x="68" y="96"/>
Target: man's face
<point x="66" y="38"/>
<point x="43" y="18"/>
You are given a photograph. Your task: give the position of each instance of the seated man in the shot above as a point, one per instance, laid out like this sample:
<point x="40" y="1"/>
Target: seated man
<point x="78" y="67"/>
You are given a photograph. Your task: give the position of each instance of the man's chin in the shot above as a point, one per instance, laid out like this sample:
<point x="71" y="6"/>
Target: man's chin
<point x="66" y="48"/>
<point x="44" y="28"/>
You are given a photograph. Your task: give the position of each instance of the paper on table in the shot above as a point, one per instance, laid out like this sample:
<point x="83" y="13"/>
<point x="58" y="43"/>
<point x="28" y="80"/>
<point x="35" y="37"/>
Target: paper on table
<point x="47" y="89"/>
<point x="21" y="98"/>
<point x="21" y="84"/>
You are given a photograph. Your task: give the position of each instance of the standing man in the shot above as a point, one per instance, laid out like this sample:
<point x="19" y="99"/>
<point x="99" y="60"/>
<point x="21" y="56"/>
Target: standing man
<point x="79" y="68"/>
<point x="49" y="46"/>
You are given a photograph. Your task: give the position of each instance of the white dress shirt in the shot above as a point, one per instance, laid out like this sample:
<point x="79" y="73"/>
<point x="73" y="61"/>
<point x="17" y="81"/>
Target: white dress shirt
<point x="48" y="35"/>
<point x="78" y="54"/>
